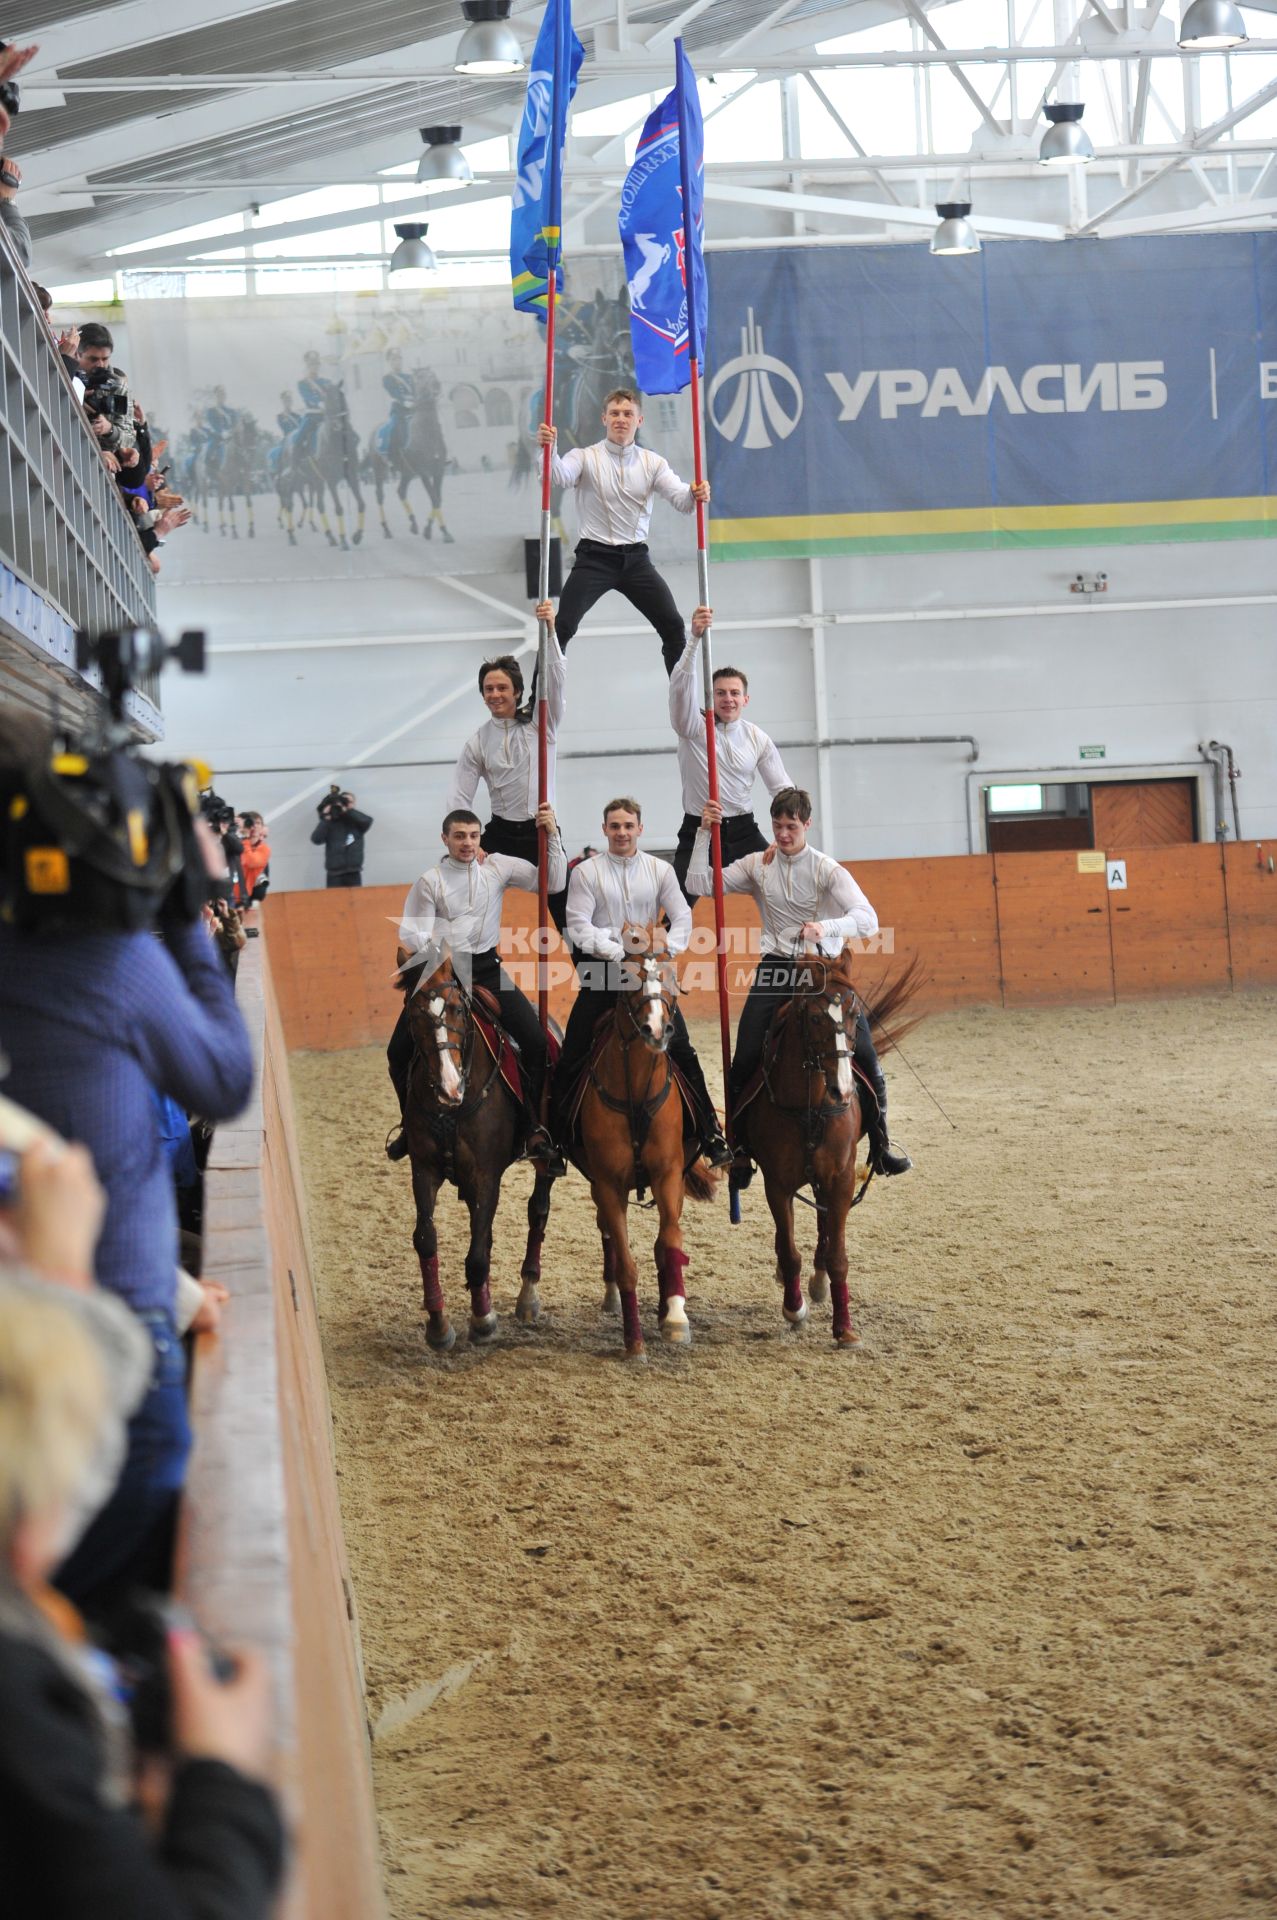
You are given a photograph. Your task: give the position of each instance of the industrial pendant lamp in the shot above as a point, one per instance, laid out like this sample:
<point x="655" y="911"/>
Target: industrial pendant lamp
<point x="955" y="234"/>
<point x="412" y="254"/>
<point x="1212" y="23"/>
<point x="443" y="164"/>
<point x="1066" y="142"/>
<point x="489" y="44"/>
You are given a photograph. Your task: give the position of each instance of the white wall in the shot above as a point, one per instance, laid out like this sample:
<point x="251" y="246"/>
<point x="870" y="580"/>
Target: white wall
<point x="1150" y="685"/>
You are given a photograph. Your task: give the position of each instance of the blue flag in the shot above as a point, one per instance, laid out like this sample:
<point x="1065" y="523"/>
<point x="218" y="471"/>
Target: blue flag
<point x="662" y="224"/>
<point x="536" y="218"/>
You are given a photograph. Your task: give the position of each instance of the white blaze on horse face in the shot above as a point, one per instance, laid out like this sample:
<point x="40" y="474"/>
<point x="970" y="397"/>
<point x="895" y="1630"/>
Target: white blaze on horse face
<point x="840" y="1047"/>
<point x="655" y="1005"/>
<point x="449" y="1078"/>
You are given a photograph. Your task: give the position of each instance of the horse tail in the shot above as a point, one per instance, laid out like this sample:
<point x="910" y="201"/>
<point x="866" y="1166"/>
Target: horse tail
<point x="887" y="1002"/>
<point x="701" y="1180"/>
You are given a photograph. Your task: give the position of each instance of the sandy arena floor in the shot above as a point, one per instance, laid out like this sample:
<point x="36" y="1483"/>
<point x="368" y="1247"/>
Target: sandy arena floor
<point x="975" y="1621"/>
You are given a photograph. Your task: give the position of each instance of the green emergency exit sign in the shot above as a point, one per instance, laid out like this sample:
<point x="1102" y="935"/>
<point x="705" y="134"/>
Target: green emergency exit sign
<point x="1090" y="753"/>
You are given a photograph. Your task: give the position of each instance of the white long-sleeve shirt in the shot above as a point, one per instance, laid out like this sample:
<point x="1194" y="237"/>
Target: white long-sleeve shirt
<point x="504" y="752"/>
<point x="614" y="489"/>
<point x="605" y="893"/>
<point x="744" y="750"/>
<point x="792" y="890"/>
<point x="460" y="900"/>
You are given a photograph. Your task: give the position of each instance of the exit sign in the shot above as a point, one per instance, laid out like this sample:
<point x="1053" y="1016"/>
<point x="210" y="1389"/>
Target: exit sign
<point x="1090" y="753"/>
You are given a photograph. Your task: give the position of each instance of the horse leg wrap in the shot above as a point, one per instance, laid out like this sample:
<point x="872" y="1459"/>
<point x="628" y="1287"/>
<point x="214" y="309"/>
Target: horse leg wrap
<point x="793" y="1285"/>
<point x="842" y="1307"/>
<point x="431" y="1291"/>
<point x="630" y="1318"/>
<point x="481" y="1300"/>
<point x="671" y="1273"/>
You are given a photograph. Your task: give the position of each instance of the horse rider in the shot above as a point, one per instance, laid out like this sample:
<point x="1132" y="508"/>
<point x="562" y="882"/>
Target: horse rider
<point x="218" y="423"/>
<point x="312" y="389"/>
<point x="744" y="752"/>
<point x="503" y="753"/>
<point x="392" y="435"/>
<point x="804" y="899"/>
<point x="288" y="419"/>
<point x="458" y="903"/>
<point x="621" y="887"/>
<point x="615" y="483"/>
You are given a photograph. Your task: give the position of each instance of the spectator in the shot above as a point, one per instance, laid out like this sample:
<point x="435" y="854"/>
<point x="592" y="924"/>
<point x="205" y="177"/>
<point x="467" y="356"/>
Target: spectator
<point x="73" y="1363"/>
<point x="93" y="1018"/>
<point x="13" y="222"/>
<point x="255" y="861"/>
<point x="341" y="833"/>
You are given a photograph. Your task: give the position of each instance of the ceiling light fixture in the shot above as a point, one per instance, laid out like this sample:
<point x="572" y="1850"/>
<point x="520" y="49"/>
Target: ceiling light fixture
<point x="412" y="254"/>
<point x="1211" y="23"/>
<point x="489" y="44"/>
<point x="1066" y="143"/>
<point x="955" y="234"/>
<point x="443" y="164"/>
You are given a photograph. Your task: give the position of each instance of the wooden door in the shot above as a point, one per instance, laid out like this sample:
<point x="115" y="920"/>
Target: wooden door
<point x="1142" y="813"/>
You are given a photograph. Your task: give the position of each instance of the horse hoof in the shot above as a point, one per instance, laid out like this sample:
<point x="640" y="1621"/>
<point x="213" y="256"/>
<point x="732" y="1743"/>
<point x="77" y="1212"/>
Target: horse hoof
<point x="252" y="533"/>
<point x="677" y="1333"/>
<point x="440" y="1342"/>
<point x="527" y="1308"/>
<point x="386" y="534"/>
<point x="355" y="539"/>
<point x="846" y="1337"/>
<point x="483" y="1328"/>
<point x="447" y="538"/>
<point x="637" y="1352"/>
<point x="795" y="1315"/>
<point x="330" y="539"/>
<point x="344" y="546"/>
<point x="818" y="1289"/>
<point x="611" y="1298"/>
<point x="429" y="531"/>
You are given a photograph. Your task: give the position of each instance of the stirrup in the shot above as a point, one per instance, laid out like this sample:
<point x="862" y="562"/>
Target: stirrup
<point x="541" y="1150"/>
<point x="397" y="1143"/>
<point x="716" y="1150"/>
<point x="884" y="1158"/>
<point x="742" y="1171"/>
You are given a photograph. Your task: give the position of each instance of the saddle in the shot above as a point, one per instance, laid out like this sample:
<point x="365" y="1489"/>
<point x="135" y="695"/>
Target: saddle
<point x="496" y="1038"/>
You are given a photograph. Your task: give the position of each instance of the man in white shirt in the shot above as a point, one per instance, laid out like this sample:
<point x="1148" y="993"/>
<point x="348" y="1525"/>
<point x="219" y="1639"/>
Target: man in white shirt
<point x="607" y="892"/>
<point x="743" y="750"/>
<point x="615" y="482"/>
<point x="805" y="899"/>
<point x="503" y="754"/>
<point x="458" y="904"/>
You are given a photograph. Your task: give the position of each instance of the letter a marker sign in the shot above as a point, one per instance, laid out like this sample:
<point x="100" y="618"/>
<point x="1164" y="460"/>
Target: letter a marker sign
<point x="1116" y="873"/>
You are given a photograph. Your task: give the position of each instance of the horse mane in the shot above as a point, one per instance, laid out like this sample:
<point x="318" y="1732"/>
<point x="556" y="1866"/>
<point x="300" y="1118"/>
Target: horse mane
<point x="885" y="1003"/>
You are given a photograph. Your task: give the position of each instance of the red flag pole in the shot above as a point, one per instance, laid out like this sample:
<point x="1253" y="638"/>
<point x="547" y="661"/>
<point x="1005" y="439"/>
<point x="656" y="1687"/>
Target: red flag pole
<point x="543" y="642"/>
<point x="711" y="761"/>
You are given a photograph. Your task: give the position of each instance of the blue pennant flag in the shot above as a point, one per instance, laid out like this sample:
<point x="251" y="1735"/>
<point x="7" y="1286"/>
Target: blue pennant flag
<point x="536" y="218"/>
<point x="662" y="223"/>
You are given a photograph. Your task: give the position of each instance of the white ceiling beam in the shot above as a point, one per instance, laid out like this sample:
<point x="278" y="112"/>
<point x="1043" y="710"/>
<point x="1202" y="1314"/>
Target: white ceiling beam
<point x="135" y="23"/>
<point x="1229" y="213"/>
<point x="973" y="94"/>
<point x="828" y="205"/>
<point x="1197" y="144"/>
<point x="848" y="135"/>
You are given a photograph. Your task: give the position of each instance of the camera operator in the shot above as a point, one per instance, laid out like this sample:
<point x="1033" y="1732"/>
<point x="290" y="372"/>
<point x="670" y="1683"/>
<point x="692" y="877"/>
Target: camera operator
<point x="224" y="821"/>
<point x="341" y="833"/>
<point x="73" y="1365"/>
<point x="99" y="854"/>
<point x="13" y="222"/>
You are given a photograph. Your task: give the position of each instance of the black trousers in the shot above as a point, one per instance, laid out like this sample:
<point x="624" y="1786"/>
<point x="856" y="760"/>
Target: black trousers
<point x="345" y="880"/>
<point x="596" y="998"/>
<point x="518" y="1017"/>
<point x="739" y="835"/>
<point x="600" y="569"/>
<point x="773" y="983"/>
<point x="518" y="839"/>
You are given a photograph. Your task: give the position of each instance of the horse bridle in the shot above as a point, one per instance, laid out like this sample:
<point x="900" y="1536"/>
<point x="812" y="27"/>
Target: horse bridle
<point x="439" y="1002"/>
<point x="655" y="985"/>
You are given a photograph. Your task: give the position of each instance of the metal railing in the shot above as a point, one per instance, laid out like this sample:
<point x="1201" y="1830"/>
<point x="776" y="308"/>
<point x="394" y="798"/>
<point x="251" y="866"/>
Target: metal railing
<point x="70" y="556"/>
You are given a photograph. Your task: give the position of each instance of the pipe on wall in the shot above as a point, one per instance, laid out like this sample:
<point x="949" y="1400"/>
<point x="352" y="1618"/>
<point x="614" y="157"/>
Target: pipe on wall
<point x="1225" y="752"/>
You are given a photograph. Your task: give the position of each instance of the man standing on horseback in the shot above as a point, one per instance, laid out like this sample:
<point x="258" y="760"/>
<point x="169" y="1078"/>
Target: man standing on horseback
<point x="503" y="753"/>
<point x="458" y="904"/>
<point x="805" y="899"/>
<point x="616" y="889"/>
<point x="745" y="752"/>
<point x="615" y="483"/>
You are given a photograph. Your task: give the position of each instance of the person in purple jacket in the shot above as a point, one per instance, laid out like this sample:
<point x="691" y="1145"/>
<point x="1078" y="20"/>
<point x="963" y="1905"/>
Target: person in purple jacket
<point x="110" y="991"/>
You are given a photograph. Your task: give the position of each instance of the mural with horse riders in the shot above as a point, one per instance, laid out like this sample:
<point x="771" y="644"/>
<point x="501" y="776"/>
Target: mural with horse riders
<point x="320" y="430"/>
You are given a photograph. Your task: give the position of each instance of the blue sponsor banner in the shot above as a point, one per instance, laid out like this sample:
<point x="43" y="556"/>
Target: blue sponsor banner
<point x="878" y="399"/>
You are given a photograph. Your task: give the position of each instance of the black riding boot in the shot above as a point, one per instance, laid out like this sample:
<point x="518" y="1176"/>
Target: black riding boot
<point x="398" y="1060"/>
<point x="882" y="1156"/>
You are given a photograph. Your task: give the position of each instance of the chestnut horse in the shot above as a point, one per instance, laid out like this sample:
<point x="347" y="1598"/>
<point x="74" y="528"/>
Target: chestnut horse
<point x="631" y="1136"/>
<point x="463" y="1124"/>
<point x="804" y="1123"/>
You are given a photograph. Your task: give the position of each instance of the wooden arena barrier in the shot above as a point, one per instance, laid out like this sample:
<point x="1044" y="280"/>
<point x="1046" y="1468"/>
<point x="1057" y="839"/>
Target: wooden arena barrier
<point x="261" y="1557"/>
<point x="1008" y="929"/>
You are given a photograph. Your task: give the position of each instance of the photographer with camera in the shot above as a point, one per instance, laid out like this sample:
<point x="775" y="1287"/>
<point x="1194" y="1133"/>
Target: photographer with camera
<point x="341" y="833"/>
<point x="13" y="222"/>
<point x="98" y="854"/>
<point x="73" y="1366"/>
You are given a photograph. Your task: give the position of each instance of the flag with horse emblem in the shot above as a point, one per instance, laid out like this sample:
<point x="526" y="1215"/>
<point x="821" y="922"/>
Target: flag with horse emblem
<point x="662" y="226"/>
<point x="536" y="216"/>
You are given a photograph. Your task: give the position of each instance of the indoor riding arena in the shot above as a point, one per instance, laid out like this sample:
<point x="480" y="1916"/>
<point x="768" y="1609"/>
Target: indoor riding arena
<point x="685" y="593"/>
